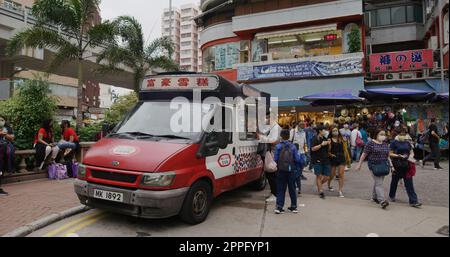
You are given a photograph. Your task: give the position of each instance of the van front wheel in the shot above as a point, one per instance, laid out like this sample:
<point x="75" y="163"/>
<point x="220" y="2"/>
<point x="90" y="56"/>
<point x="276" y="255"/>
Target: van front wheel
<point x="197" y="203"/>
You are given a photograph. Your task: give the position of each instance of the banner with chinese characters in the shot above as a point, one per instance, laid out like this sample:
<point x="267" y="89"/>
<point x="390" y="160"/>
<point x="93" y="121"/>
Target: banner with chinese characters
<point x="301" y="68"/>
<point x="401" y="61"/>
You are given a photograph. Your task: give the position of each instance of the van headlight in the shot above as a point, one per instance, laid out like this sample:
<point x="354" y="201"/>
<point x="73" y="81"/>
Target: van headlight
<point x="158" y="179"/>
<point x="81" y="172"/>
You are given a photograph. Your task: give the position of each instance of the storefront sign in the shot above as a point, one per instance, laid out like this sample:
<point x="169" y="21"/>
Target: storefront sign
<point x="401" y="61"/>
<point x="312" y="67"/>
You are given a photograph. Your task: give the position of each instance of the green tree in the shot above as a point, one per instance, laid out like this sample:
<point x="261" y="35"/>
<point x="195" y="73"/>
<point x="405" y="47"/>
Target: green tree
<point x="76" y="19"/>
<point x="120" y="108"/>
<point x="27" y="109"/>
<point x="354" y="40"/>
<point x="131" y="50"/>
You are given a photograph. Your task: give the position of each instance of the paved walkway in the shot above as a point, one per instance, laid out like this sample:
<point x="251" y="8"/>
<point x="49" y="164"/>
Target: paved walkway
<point x="30" y="201"/>
<point x="33" y="200"/>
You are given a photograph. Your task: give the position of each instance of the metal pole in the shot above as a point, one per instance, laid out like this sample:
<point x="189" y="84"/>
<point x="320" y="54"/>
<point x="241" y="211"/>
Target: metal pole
<point x="441" y="44"/>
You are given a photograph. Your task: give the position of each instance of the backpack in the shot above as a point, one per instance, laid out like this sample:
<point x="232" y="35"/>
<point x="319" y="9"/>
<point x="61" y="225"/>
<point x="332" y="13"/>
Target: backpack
<point x="286" y="159"/>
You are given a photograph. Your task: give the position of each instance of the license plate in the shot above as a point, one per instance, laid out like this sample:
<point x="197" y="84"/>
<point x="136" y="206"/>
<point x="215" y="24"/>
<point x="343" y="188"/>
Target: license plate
<point x="108" y="195"/>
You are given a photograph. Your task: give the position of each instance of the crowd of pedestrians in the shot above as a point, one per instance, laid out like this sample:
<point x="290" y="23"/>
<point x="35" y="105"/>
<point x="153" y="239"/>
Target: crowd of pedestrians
<point x="330" y="150"/>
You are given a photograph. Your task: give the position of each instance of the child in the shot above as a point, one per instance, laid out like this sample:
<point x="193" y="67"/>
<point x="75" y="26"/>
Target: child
<point x="287" y="158"/>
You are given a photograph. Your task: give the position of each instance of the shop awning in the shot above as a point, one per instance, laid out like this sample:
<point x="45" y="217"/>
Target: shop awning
<point x="335" y="97"/>
<point x="293" y="32"/>
<point x="396" y="94"/>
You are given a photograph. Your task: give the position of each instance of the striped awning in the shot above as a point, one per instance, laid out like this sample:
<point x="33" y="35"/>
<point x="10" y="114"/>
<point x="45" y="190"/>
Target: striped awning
<point x="293" y="32"/>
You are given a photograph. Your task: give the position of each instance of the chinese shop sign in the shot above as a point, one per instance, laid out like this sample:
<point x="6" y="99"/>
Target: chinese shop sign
<point x="401" y="61"/>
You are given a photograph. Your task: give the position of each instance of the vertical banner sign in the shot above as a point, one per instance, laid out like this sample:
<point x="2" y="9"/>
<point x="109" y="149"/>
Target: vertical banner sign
<point x="401" y="61"/>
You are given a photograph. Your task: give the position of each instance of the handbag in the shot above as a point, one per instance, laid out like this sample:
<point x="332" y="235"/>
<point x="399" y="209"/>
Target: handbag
<point x="269" y="163"/>
<point x="380" y="169"/>
<point x="401" y="165"/>
<point x="359" y="142"/>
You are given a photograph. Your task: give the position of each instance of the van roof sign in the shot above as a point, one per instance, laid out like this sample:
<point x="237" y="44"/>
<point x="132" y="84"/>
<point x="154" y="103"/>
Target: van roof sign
<point x="182" y="82"/>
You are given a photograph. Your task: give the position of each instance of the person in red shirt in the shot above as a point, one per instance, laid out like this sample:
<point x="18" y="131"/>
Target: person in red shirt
<point x="44" y="143"/>
<point x="69" y="139"/>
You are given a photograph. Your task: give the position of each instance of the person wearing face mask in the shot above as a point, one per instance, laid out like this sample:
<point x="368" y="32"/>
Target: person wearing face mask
<point x="310" y="134"/>
<point x="6" y="150"/>
<point x="401" y="150"/>
<point x="337" y="160"/>
<point x="44" y="143"/>
<point x="356" y="148"/>
<point x="320" y="160"/>
<point x="271" y="138"/>
<point x="346" y="133"/>
<point x="377" y="153"/>
<point x="298" y="137"/>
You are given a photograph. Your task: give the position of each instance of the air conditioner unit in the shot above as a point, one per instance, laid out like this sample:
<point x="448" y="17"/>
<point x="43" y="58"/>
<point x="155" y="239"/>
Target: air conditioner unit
<point x="391" y="76"/>
<point x="409" y="75"/>
<point x="266" y="57"/>
<point x="429" y="9"/>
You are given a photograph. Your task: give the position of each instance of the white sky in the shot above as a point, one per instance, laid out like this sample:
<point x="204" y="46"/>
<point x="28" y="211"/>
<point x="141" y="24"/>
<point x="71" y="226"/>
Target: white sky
<point x="147" y="12"/>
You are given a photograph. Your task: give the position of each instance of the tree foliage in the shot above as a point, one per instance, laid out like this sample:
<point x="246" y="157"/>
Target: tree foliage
<point x="75" y="19"/>
<point x="354" y="40"/>
<point x="120" y="108"/>
<point x="130" y="49"/>
<point x="27" y="109"/>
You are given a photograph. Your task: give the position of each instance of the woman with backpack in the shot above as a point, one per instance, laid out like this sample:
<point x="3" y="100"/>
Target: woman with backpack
<point x="377" y="154"/>
<point x="401" y="151"/>
<point x="44" y="143"/>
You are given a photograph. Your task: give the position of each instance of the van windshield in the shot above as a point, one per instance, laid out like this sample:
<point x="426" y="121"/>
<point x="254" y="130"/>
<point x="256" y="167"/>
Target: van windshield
<point x="151" y="120"/>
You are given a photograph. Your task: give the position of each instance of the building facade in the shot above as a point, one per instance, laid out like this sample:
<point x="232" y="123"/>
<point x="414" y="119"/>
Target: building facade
<point x="185" y="35"/>
<point x="63" y="88"/>
<point x="404" y="44"/>
<point x="284" y="47"/>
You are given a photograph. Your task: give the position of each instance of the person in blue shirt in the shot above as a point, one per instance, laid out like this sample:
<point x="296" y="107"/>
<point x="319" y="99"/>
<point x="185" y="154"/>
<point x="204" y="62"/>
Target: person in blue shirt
<point x="288" y="160"/>
<point x="364" y="136"/>
<point x="310" y="134"/>
<point x="401" y="151"/>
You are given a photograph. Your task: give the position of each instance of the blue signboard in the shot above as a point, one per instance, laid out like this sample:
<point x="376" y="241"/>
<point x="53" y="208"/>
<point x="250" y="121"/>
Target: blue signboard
<point x="309" y="68"/>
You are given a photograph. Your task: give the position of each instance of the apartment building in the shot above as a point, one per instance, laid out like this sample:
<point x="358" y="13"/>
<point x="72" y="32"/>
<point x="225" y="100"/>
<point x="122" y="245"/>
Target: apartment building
<point x="63" y="88"/>
<point x="185" y="35"/>
<point x="175" y="34"/>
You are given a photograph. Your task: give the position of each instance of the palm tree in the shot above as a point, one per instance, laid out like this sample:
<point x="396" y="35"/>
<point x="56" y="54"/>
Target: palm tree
<point x="76" y="20"/>
<point x="131" y="50"/>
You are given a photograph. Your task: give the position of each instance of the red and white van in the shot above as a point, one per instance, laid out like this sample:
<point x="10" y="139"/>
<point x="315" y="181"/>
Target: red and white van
<point x="144" y="169"/>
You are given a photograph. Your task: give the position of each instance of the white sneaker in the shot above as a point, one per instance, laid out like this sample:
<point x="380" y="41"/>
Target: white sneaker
<point x="331" y="189"/>
<point x="271" y="198"/>
<point x="346" y="168"/>
<point x="341" y="195"/>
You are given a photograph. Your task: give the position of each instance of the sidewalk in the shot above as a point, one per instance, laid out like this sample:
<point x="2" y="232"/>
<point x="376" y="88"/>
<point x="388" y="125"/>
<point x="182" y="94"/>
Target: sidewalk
<point x="33" y="200"/>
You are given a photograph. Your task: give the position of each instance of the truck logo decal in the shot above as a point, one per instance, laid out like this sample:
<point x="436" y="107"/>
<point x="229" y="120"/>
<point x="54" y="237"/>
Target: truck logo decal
<point x="124" y="150"/>
<point x="224" y="160"/>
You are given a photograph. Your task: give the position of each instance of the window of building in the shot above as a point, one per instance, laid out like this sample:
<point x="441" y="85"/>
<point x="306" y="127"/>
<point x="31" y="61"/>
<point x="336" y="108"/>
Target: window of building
<point x="396" y="15"/>
<point x="185" y="60"/>
<point x="186" y="43"/>
<point x="186" y="52"/>
<point x="383" y="17"/>
<point x="186" y="27"/>
<point x="305" y="45"/>
<point x="186" y="35"/>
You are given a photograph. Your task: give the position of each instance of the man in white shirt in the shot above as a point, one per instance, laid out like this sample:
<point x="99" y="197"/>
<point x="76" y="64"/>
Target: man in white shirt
<point x="356" y="150"/>
<point x="298" y="137"/>
<point x="271" y="137"/>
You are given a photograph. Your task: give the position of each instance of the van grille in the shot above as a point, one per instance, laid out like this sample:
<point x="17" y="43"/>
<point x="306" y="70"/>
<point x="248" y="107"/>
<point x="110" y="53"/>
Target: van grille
<point x="114" y="176"/>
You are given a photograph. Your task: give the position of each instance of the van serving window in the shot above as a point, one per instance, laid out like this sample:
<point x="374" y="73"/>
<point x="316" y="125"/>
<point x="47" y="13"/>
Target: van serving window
<point x="180" y="82"/>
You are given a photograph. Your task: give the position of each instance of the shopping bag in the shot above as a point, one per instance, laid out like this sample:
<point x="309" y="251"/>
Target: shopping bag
<point x="269" y="164"/>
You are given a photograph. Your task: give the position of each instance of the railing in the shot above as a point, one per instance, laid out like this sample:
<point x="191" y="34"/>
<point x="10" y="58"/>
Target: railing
<point x="28" y="165"/>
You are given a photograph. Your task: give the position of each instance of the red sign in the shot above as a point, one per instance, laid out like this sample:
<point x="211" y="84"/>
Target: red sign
<point x="330" y="37"/>
<point x="174" y="82"/>
<point x="401" y="61"/>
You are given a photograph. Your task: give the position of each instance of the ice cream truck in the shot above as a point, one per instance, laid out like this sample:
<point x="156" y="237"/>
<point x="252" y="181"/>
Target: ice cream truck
<point x="146" y="168"/>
